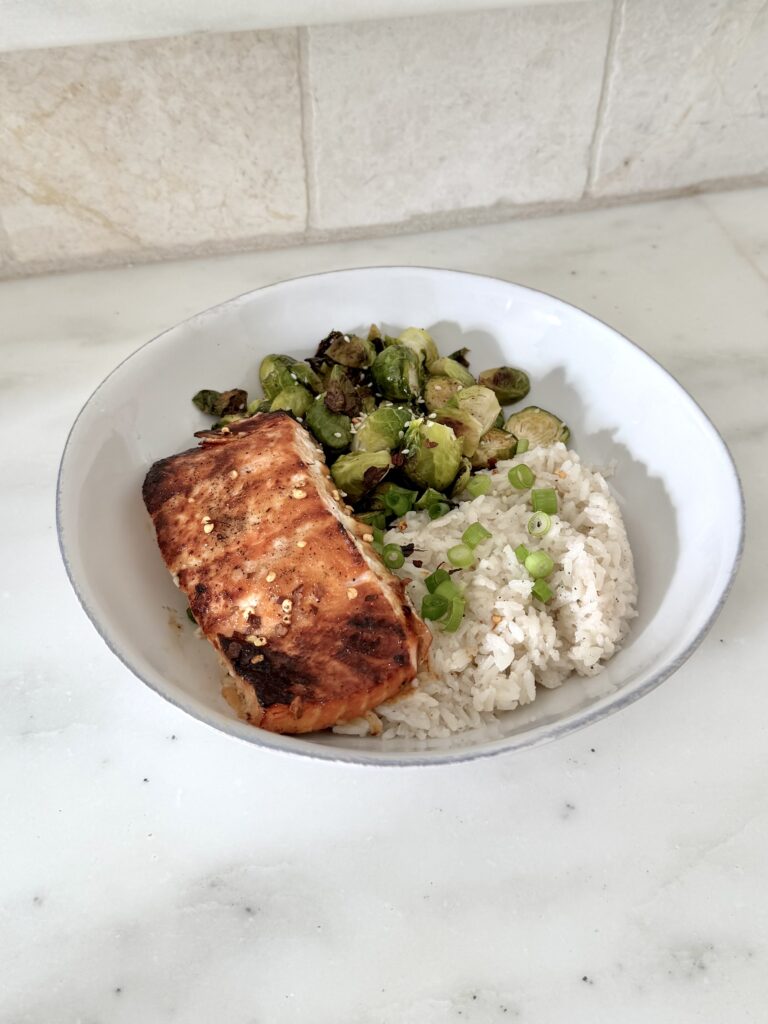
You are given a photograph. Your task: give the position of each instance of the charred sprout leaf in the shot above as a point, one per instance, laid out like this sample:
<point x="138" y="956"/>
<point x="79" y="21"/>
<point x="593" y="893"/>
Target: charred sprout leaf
<point x="225" y="421"/>
<point x="258" y="405"/>
<point x="376" y="519"/>
<point x="462" y="478"/>
<point x="429" y="497"/>
<point x="397" y="373"/>
<point x="438" y="391"/>
<point x="295" y="399"/>
<point x="382" y="430"/>
<point x="481" y="402"/>
<point x="465" y="426"/>
<point x="341" y="393"/>
<point x="358" y="473"/>
<point x="421" y="342"/>
<point x="434" y="454"/>
<point x="221" y="403"/>
<point x="350" y="350"/>
<point x="334" y="430"/>
<point x="447" y="367"/>
<point x="374" y="334"/>
<point x="508" y="384"/>
<point x="494" y="446"/>
<point x="499" y="421"/>
<point x="537" y="426"/>
<point x="276" y="381"/>
<point x="460" y="356"/>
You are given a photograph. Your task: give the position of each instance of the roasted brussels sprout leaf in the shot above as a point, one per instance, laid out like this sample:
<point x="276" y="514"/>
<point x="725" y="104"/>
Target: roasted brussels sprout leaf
<point x="341" y="393"/>
<point x="508" y="384"/>
<point x="350" y="350"/>
<point x="397" y="373"/>
<point x="460" y="356"/>
<point x="359" y="472"/>
<point x="433" y="454"/>
<point x="429" y="497"/>
<point x="462" y="478"/>
<point x="221" y="403"/>
<point x="481" y="402"/>
<point x="465" y="426"/>
<point x="258" y="405"/>
<point x="421" y="342"/>
<point x="438" y="391"/>
<point x="383" y="429"/>
<point x="295" y="399"/>
<point x="334" y="430"/>
<point x="374" y="334"/>
<point x="537" y="426"/>
<point x="447" y="367"/>
<point x="225" y="421"/>
<point x="494" y="446"/>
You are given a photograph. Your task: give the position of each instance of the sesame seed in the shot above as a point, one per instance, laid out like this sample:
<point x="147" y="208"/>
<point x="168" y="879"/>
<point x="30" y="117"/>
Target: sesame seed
<point x="433" y="416"/>
<point x="351" y="593"/>
<point x="299" y="419"/>
<point x="294" y="376"/>
<point x="233" y="474"/>
<point x="257" y="641"/>
<point x="438" y="387"/>
<point x="401" y="433"/>
<point x="335" y="493"/>
<point x="287" y="604"/>
<point x="257" y="658"/>
<point x="337" y="433"/>
<point x="298" y="493"/>
<point x="406" y="451"/>
<point x="301" y="543"/>
<point x="205" y="519"/>
<point x="343" y="494"/>
<point x="368" y="537"/>
<point x="208" y="528"/>
<point x="271" y="576"/>
<point x="225" y="430"/>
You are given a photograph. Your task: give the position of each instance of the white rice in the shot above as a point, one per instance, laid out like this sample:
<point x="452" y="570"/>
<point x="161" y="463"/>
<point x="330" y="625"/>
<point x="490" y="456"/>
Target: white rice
<point x="509" y="643"/>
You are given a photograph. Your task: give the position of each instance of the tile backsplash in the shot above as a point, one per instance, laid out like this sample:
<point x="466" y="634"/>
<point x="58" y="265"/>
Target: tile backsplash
<point x="133" y="151"/>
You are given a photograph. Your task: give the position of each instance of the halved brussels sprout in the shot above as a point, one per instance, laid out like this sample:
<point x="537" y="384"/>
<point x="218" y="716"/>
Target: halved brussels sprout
<point x="439" y="390"/>
<point x="334" y="430"/>
<point x="341" y="393"/>
<point x="221" y="403"/>
<point x="494" y="446"/>
<point x="359" y="472"/>
<point x="465" y="426"/>
<point x="481" y="402"/>
<point x="382" y="430"/>
<point x="296" y="400"/>
<point x="421" y="342"/>
<point x="351" y="350"/>
<point x="306" y="375"/>
<point x="447" y="367"/>
<point x="434" y="454"/>
<point x="258" y="405"/>
<point x="508" y="384"/>
<point x="397" y="373"/>
<point x="537" y="426"/>
<point x="462" y="478"/>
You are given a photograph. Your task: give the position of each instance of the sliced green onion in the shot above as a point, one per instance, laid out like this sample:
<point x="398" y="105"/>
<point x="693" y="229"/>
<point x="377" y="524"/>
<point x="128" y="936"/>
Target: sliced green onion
<point x="542" y="590"/>
<point x="522" y="445"/>
<point x="374" y="519"/>
<point x="521" y="553"/>
<point x="455" y="615"/>
<point x="521" y="477"/>
<point x="378" y="534"/>
<point x="461" y="555"/>
<point x="544" y="499"/>
<point x="449" y="590"/>
<point x="438" y="576"/>
<point x="398" y="503"/>
<point x="434" y="607"/>
<point x="392" y="555"/>
<point x="539" y="524"/>
<point x="539" y="564"/>
<point x="438" y="509"/>
<point x="475" y="534"/>
<point x="479" y="485"/>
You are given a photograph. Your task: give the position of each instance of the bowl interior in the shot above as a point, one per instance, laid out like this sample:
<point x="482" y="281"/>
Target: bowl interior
<point x="673" y="476"/>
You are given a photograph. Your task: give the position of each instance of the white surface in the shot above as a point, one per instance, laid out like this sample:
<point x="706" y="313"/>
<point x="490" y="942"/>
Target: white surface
<point x="237" y="885"/>
<point x="677" y="500"/>
<point x="29" y="24"/>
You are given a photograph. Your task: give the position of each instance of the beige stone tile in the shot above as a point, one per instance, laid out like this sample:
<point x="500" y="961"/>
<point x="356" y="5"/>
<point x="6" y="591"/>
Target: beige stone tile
<point x="687" y="96"/>
<point x="163" y="145"/>
<point x="417" y="116"/>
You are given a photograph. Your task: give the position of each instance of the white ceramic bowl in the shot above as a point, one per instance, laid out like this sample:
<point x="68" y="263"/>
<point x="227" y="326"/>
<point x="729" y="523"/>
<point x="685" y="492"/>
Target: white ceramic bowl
<point x="677" y="485"/>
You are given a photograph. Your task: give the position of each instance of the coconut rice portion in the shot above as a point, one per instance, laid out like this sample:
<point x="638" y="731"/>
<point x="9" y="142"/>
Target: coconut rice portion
<point x="508" y="642"/>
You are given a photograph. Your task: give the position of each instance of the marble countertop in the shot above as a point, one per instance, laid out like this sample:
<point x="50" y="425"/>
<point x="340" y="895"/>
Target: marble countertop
<point x="155" y="870"/>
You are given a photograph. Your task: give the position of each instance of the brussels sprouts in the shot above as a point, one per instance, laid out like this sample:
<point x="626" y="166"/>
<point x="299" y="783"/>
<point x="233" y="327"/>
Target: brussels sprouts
<point x="434" y="454"/>
<point x="537" y="426"/>
<point x="258" y="405"/>
<point x="499" y="421"/>
<point x="465" y="426"/>
<point x="341" y="393"/>
<point x="508" y="384"/>
<point x="374" y="334"/>
<point x="481" y="402"/>
<point x="393" y="499"/>
<point x="295" y="399"/>
<point x="225" y="421"/>
<point x="429" y="497"/>
<point x="275" y="374"/>
<point x="334" y="430"/>
<point x="360" y="472"/>
<point x="382" y="430"/>
<point x="447" y="367"/>
<point x="421" y="342"/>
<point x="221" y="403"/>
<point x="494" y="446"/>
<point x="396" y="373"/>
<point x="306" y="375"/>
<point x="462" y="478"/>
<point x="439" y="390"/>
<point x="350" y="350"/>
<point x="460" y="356"/>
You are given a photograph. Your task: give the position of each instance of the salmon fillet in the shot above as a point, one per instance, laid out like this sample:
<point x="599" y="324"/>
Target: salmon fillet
<point x="313" y="629"/>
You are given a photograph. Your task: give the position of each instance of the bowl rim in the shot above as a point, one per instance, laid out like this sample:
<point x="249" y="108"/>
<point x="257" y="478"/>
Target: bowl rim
<point x="534" y="737"/>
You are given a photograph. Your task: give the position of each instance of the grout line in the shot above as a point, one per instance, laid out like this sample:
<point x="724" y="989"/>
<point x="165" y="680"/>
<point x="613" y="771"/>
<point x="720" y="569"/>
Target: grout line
<point x="307" y="126"/>
<point x="596" y="143"/>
